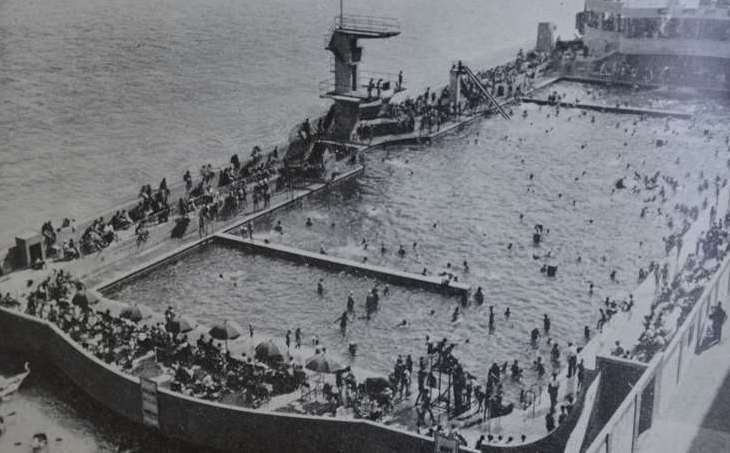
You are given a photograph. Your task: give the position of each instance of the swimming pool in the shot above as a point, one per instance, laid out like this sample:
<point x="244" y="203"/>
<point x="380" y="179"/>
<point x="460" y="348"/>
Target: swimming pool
<point x="461" y="199"/>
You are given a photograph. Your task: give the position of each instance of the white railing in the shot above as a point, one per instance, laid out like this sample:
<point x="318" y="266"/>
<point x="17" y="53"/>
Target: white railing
<point x="328" y="85"/>
<point x="371" y="24"/>
<point x="663" y="375"/>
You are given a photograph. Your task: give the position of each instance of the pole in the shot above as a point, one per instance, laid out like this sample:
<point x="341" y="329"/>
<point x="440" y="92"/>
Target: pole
<point x="341" y="14"/>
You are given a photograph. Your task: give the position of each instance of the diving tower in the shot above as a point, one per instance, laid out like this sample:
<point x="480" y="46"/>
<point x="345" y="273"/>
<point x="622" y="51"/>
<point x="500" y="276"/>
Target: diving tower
<point x="347" y="83"/>
<point x="357" y="95"/>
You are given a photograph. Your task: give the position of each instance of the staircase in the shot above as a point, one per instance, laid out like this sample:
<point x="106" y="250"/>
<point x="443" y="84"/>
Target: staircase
<point x="487" y="95"/>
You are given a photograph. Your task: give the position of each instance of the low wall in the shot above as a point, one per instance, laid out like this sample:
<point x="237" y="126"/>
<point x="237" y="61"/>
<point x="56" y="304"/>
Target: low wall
<point x="117" y="391"/>
<point x="196" y="421"/>
<point x="222" y="426"/>
<point x="557" y="440"/>
<point x="340" y="264"/>
<point x="652" y="393"/>
<point x="613" y="109"/>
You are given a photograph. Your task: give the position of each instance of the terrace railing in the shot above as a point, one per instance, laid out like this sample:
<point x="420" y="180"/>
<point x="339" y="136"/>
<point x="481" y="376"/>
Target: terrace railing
<point x="657" y="387"/>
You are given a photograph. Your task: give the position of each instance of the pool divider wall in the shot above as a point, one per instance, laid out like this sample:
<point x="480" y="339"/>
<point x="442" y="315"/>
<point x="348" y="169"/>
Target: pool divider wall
<point x="339" y="264"/>
<point x="612" y="109"/>
<point x="186" y="249"/>
<point x="145" y="269"/>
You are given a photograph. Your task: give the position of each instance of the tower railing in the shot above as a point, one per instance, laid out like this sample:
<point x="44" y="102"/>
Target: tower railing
<point x="370" y="24"/>
<point x="388" y="81"/>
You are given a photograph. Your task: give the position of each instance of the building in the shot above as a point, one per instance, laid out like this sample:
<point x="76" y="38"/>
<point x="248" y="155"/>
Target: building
<point x="659" y="41"/>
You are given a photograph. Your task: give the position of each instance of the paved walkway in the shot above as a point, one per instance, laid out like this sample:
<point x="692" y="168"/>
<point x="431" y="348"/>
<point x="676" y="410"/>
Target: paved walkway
<point x="698" y="418"/>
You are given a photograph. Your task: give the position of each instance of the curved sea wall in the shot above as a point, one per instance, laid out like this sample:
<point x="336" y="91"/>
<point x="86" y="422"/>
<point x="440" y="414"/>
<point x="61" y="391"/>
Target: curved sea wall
<point x="197" y="421"/>
<point x="223" y="426"/>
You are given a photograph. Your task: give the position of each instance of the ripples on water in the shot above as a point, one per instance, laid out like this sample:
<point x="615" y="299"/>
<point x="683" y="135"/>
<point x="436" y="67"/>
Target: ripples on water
<point x="99" y="97"/>
<point x="460" y="199"/>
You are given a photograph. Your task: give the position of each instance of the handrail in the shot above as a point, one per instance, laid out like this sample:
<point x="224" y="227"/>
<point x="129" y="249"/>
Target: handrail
<point x="367" y="23"/>
<point x="653" y="368"/>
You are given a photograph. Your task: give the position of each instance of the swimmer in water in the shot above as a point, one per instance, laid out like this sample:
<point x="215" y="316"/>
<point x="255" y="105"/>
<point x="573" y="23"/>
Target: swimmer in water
<point x="279" y="228"/>
<point x="401" y="251"/>
<point x="350" y="303"/>
<point x="479" y="296"/>
<point x="455" y="315"/>
<point x="403" y="323"/>
<point x="507" y="313"/>
<point x="308" y="222"/>
<point x="320" y="287"/>
<point x="383" y="250"/>
<point x="466" y="266"/>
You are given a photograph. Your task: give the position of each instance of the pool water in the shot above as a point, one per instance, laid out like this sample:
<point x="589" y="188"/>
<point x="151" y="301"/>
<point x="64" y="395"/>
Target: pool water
<point x="461" y="199"/>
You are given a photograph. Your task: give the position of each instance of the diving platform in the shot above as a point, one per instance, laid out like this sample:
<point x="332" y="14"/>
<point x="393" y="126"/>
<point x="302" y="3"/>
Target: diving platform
<point x="433" y="283"/>
<point x="367" y="26"/>
<point x="347" y="83"/>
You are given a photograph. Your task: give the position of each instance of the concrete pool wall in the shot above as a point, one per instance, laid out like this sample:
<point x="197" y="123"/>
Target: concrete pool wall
<point x="222" y="426"/>
<point x="197" y="421"/>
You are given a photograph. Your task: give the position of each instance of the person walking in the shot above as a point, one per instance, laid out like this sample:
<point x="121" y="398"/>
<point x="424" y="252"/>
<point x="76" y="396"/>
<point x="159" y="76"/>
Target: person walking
<point x="718" y="318"/>
<point x="553" y="387"/>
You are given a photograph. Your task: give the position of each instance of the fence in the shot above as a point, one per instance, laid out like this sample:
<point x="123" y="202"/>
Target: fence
<point x="652" y="393"/>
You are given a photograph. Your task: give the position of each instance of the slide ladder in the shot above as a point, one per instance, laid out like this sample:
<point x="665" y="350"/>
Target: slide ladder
<point x="488" y="96"/>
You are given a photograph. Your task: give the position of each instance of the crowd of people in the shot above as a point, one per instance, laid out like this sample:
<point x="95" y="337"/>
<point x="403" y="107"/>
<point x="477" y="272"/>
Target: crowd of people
<point x="431" y="109"/>
<point x="683" y="292"/>
<point x="216" y="196"/>
<point x="204" y="368"/>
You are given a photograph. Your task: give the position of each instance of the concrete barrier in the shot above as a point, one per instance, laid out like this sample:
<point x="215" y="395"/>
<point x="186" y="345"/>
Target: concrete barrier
<point x="196" y="421"/>
<point x="612" y="109"/>
<point x="338" y="264"/>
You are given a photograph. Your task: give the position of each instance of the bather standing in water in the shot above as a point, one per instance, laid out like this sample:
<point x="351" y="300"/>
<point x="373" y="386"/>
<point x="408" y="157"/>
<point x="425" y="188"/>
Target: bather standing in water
<point x="320" y="287"/>
<point x="479" y="296"/>
<point x="343" y="322"/>
<point x="298" y="337"/>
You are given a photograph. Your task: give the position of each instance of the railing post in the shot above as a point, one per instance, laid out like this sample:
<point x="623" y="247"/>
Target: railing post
<point x="637" y="419"/>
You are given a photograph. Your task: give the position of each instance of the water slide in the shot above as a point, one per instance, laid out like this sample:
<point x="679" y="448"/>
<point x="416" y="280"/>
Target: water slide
<point x="491" y="99"/>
